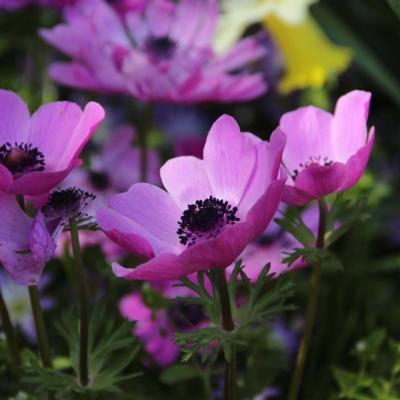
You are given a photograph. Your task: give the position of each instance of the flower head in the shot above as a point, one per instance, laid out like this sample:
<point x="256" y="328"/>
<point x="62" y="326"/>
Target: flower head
<point x="208" y="214"/>
<point x="37" y="153"/>
<point x="155" y="328"/>
<point x="160" y="52"/>
<point x="326" y="153"/>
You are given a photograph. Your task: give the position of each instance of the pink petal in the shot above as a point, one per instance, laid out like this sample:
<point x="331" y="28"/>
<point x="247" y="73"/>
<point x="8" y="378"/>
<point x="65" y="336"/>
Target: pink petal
<point x="14" y="122"/>
<point x="230" y="160"/>
<point x="38" y="183"/>
<point x="186" y="180"/>
<point x="308" y="134"/>
<point x="6" y="179"/>
<point x="350" y="124"/>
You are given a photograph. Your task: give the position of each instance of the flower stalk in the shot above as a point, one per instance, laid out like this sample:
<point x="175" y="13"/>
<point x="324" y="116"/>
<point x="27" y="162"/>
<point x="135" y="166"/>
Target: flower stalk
<point x="143" y="141"/>
<point x="228" y="325"/>
<point x="11" y="339"/>
<point x="311" y="307"/>
<point x="43" y="341"/>
<point x="83" y="305"/>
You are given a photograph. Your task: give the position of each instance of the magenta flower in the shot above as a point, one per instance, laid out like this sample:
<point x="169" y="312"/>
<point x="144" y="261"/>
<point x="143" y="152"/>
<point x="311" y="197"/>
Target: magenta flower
<point x="160" y="53"/>
<point x="326" y="153"/>
<point x="37" y="153"/>
<point x="16" y="4"/>
<point x="26" y="245"/>
<point x="212" y="208"/>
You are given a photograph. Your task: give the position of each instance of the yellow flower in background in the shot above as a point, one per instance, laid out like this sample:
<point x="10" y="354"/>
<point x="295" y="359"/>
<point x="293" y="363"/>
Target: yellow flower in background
<point x="237" y="15"/>
<point x="310" y="57"/>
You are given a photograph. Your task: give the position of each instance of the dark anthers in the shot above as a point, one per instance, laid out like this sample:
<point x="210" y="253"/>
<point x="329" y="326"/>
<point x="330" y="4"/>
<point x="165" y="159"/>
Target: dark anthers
<point x="21" y="158"/>
<point x="67" y="203"/>
<point x="205" y="219"/>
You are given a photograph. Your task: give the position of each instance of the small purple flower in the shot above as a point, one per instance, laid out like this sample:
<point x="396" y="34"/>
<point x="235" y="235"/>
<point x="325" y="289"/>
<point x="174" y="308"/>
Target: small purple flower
<point x="160" y="52"/>
<point x="326" y="153"/>
<point x="38" y="152"/>
<point x="27" y="244"/>
<point x="212" y="208"/>
<point x="155" y="328"/>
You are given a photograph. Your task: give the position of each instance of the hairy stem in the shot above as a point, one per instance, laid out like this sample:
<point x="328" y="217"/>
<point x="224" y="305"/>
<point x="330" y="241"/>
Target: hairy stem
<point x="228" y="325"/>
<point x="11" y="338"/>
<point x="83" y="305"/>
<point x="311" y="308"/>
<point x="43" y="341"/>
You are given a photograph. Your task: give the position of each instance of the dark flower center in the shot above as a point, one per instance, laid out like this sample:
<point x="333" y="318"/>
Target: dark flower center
<point x="205" y="220"/>
<point x="184" y="316"/>
<point x="161" y="47"/>
<point x="66" y="203"/>
<point x="313" y="161"/>
<point x="21" y="158"/>
<point x="99" y="180"/>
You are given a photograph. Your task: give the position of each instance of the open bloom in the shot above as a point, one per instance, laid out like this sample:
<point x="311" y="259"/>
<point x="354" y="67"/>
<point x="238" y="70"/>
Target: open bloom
<point x="160" y="53"/>
<point x="37" y="153"/>
<point x="212" y="208"/>
<point x="326" y="153"/>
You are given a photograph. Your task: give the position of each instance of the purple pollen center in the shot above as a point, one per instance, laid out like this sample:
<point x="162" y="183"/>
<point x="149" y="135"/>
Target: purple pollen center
<point x="21" y="158"/>
<point x="205" y="219"/>
<point x="160" y="48"/>
<point x="313" y="161"/>
<point x="66" y="203"/>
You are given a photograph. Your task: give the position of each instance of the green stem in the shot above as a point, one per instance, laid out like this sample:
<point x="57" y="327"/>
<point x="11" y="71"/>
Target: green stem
<point x="11" y="339"/>
<point x="228" y="325"/>
<point x="311" y="308"/>
<point x="44" y="348"/>
<point x="83" y="305"/>
<point x="143" y="139"/>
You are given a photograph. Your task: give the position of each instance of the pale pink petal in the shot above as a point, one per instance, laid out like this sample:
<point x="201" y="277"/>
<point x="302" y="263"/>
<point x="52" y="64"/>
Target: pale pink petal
<point x="230" y="159"/>
<point x="350" y="124"/>
<point x="186" y="180"/>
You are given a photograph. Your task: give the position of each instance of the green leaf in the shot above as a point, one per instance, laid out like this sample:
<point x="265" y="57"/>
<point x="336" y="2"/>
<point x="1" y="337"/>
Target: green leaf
<point x="324" y="258"/>
<point x="368" y="349"/>
<point x="179" y="373"/>
<point x="363" y="55"/>
<point x="395" y="4"/>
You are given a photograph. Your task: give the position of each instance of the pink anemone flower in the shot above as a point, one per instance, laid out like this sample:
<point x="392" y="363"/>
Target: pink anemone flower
<point x="211" y="210"/>
<point x="38" y="152"/>
<point x="326" y="153"/>
<point x="159" y="52"/>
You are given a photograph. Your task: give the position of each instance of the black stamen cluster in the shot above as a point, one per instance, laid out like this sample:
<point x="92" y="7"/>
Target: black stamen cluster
<point x="67" y="203"/>
<point x="160" y="47"/>
<point x="205" y="219"/>
<point x="21" y="158"/>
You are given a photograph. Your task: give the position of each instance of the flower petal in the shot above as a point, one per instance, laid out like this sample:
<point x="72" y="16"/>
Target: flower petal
<point x="350" y="124"/>
<point x="186" y="180"/>
<point x="230" y="159"/>
<point x="14" y="122"/>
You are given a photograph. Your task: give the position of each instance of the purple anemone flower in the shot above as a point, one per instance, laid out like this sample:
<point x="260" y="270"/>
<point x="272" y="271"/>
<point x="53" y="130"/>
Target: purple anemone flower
<point x="37" y="153"/>
<point x="326" y="153"/>
<point x="211" y="210"/>
<point x="162" y="52"/>
<point x="27" y="244"/>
